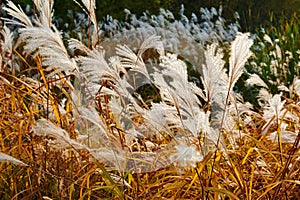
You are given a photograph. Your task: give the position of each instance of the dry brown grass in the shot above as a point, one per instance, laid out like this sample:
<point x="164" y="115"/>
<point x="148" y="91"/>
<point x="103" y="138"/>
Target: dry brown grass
<point x="256" y="168"/>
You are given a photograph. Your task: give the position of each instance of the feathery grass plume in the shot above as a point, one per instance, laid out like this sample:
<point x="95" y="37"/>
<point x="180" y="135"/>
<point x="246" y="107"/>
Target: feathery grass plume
<point x="76" y="45"/>
<point x="131" y="61"/>
<point x="181" y="103"/>
<point x="151" y="42"/>
<point x="17" y="13"/>
<point x="285" y="136"/>
<point x="7" y="42"/>
<point x="273" y="111"/>
<point x="90" y="5"/>
<point x="58" y="137"/>
<point x="276" y="113"/>
<point x="218" y="85"/>
<point x="293" y="90"/>
<point x="124" y="109"/>
<point x="199" y="125"/>
<point x="96" y="128"/>
<point x="162" y="118"/>
<point x="6" y="48"/>
<point x="214" y="78"/>
<point x="172" y="85"/>
<point x="215" y="83"/>
<point x="240" y="53"/>
<point x="263" y="96"/>
<point x="239" y="114"/>
<point x="93" y="68"/>
<point x="128" y="111"/>
<point x="178" y="92"/>
<point x="44" y="7"/>
<point x="47" y="42"/>
<point x="184" y="37"/>
<point x="44" y="39"/>
<point x="254" y="79"/>
<point x="174" y="73"/>
<point x="186" y="156"/>
<point x="6" y="158"/>
<point x="134" y="64"/>
<point x="89" y="8"/>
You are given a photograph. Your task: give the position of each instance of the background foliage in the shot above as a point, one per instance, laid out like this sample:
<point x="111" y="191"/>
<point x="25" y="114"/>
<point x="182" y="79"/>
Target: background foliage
<point x="252" y="12"/>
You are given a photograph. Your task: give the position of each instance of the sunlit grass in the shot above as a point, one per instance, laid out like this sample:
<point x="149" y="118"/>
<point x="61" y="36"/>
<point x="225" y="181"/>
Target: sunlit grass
<point x="53" y="109"/>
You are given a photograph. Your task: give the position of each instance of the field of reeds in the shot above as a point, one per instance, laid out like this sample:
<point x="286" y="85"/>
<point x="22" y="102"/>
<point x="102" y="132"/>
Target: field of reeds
<point x="154" y="107"/>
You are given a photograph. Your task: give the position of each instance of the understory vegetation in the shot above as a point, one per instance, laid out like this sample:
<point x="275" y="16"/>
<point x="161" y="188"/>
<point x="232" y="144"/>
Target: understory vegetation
<point x="153" y="107"/>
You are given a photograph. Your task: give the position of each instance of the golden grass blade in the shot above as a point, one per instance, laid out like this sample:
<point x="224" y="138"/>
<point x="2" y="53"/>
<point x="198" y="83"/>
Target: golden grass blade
<point x="251" y="183"/>
<point x="268" y="188"/>
<point x="247" y="155"/>
<point x="237" y="174"/>
<point x="111" y="182"/>
<point x="52" y="101"/>
<point x="190" y="185"/>
<point x="222" y="191"/>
